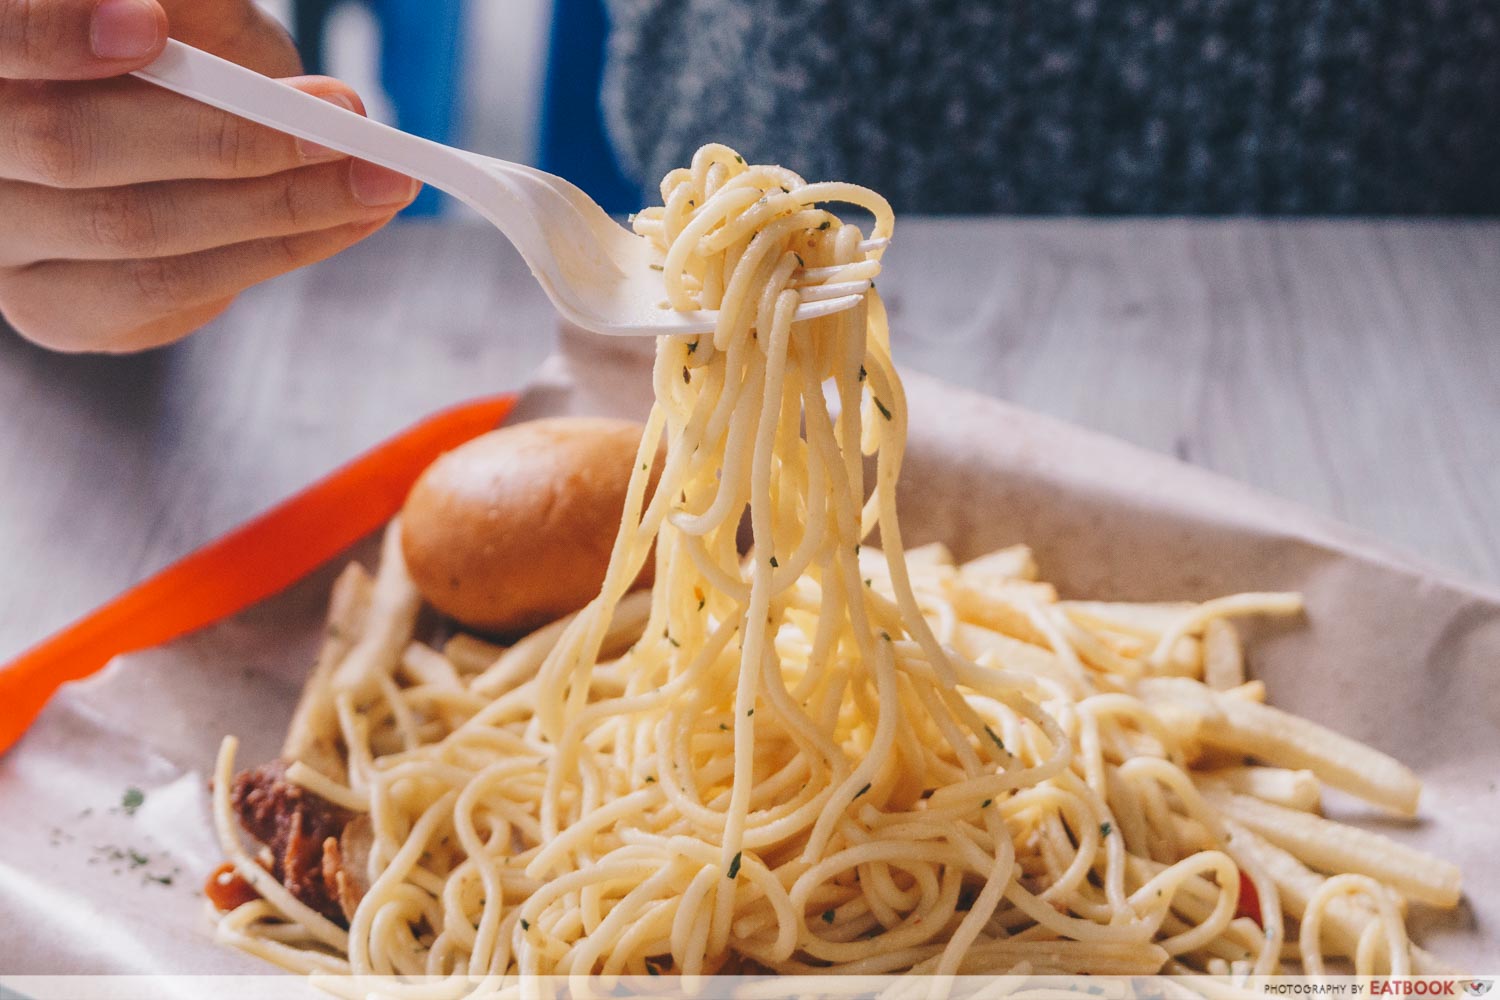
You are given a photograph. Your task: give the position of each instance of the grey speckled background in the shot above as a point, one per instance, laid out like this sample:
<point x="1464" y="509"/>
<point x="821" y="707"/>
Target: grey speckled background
<point x="1078" y="106"/>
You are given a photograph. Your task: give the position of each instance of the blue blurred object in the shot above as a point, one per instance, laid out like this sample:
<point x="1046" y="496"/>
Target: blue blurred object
<point x="574" y="141"/>
<point x="421" y="65"/>
<point x="421" y="69"/>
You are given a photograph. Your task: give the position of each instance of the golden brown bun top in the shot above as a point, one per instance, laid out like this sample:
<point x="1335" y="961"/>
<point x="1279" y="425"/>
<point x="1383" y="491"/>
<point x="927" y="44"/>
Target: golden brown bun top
<point x="514" y="529"/>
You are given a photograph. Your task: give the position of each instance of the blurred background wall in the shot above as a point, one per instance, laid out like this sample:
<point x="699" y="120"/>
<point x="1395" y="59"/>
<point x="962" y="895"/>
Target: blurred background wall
<point x="505" y="61"/>
<point x="1078" y="107"/>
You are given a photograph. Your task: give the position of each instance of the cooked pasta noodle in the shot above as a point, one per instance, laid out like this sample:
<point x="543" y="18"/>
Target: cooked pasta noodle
<point x="820" y="756"/>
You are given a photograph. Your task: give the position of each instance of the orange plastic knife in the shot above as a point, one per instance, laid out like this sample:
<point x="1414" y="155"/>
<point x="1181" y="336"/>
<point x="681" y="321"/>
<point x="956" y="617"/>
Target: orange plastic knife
<point x="250" y="564"/>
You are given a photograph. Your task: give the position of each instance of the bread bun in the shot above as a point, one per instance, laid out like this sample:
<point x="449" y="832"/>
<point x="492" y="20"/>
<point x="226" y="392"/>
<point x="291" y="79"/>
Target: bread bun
<point x="514" y="529"/>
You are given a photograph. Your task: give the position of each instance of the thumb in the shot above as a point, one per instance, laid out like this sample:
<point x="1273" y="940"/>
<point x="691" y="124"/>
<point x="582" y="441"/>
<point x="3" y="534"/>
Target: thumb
<point x="78" y="39"/>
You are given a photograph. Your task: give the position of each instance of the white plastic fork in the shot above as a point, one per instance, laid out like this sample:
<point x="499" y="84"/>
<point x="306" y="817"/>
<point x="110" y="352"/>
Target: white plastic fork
<point x="598" y="274"/>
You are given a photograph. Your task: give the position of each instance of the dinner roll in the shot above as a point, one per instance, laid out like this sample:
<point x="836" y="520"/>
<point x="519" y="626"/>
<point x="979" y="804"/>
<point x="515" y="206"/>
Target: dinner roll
<point x="514" y="529"/>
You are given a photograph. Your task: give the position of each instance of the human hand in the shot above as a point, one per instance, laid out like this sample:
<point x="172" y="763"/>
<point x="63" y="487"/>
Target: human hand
<point x="131" y="216"/>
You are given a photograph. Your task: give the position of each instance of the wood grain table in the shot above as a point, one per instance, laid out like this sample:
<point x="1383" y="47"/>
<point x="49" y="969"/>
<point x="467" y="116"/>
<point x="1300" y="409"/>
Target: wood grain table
<point x="1352" y="366"/>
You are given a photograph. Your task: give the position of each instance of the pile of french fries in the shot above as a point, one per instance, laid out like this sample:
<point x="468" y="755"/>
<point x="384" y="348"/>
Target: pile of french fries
<point x="1263" y="769"/>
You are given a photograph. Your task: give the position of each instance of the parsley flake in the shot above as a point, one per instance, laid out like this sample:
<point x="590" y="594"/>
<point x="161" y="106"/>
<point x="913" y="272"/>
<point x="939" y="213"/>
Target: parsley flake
<point x="993" y="738"/>
<point x="1105" y="829"/>
<point x="881" y="407"/>
<point x="734" y="866"/>
<point x="862" y="790"/>
<point x="827" y="916"/>
<point x="134" y="798"/>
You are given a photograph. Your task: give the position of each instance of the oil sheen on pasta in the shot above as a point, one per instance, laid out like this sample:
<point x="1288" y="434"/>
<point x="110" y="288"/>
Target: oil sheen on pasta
<point x="818" y="757"/>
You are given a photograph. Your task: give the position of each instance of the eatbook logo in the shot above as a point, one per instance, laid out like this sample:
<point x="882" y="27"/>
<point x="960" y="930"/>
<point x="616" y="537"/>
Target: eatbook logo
<point x="1478" y="987"/>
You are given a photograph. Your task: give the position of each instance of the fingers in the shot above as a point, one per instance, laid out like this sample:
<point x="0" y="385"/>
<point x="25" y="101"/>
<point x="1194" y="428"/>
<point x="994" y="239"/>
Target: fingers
<point x="78" y="39"/>
<point x="118" y="132"/>
<point x="173" y="218"/>
<point x="168" y="329"/>
<point x="238" y="30"/>
<point x="119" y="306"/>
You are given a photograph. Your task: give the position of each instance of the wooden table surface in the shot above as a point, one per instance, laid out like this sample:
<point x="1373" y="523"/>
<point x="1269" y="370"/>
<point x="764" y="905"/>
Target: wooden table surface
<point x="1352" y="366"/>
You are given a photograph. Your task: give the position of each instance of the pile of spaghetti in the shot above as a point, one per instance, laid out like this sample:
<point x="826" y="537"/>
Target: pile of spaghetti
<point x="809" y="754"/>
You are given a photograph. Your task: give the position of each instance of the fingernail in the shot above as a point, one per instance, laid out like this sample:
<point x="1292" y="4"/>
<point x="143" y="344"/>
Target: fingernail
<point x="124" y="29"/>
<point x="313" y="151"/>
<point x="377" y="187"/>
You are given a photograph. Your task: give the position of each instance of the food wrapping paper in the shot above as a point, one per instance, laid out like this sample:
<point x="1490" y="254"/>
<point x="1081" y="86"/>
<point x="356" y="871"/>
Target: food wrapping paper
<point x="105" y="832"/>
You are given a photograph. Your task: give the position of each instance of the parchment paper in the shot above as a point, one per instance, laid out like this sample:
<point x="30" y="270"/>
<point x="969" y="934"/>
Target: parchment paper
<point x="1393" y="653"/>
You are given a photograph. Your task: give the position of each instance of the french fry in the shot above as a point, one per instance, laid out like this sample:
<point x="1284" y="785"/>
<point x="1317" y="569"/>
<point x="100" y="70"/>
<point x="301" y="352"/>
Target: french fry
<point x="1249" y="691"/>
<point x="394" y="604"/>
<point x="1015" y="562"/>
<point x="1185" y="660"/>
<point x="1095" y="651"/>
<point x="1345" y="919"/>
<point x="1425" y="963"/>
<point x="1279" y="785"/>
<point x="1002" y="608"/>
<point x="1131" y="646"/>
<point x="1146" y="621"/>
<point x="1100" y="958"/>
<point x="421" y="664"/>
<point x="1190" y="835"/>
<point x="933" y="554"/>
<point x="975" y="641"/>
<point x="1336" y="847"/>
<point x="1286" y="740"/>
<point x="1223" y="657"/>
<point x="471" y="655"/>
<point x="313" y="734"/>
<point x="1223" y="607"/>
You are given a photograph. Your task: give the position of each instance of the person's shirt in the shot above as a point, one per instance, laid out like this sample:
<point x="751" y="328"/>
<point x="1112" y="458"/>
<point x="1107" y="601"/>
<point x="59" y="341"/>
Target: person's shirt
<point x="1066" y="106"/>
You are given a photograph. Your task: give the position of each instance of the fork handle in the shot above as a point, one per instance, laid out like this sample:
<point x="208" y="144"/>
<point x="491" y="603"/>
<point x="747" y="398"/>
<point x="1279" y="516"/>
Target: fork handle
<point x="230" y="87"/>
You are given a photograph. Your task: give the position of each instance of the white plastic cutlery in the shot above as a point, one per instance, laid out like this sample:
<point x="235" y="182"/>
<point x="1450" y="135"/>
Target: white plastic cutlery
<point x="598" y="274"/>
